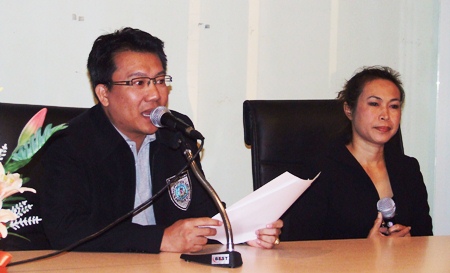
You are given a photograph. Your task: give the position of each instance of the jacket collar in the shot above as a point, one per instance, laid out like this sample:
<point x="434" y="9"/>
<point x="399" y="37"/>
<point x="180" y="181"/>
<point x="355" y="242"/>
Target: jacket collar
<point x="111" y="138"/>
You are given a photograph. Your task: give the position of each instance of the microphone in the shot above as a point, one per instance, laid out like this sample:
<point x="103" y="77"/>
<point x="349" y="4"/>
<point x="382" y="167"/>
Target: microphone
<point x="387" y="208"/>
<point x="228" y="258"/>
<point x="162" y="117"/>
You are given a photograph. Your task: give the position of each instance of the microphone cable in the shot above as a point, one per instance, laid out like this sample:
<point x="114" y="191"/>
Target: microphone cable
<point x="136" y="210"/>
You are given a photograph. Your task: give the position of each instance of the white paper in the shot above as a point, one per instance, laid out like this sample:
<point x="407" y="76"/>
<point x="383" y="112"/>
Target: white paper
<point x="262" y="207"/>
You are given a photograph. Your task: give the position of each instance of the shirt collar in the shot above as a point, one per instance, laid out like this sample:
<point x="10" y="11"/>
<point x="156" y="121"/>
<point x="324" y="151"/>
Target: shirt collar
<point x="147" y="139"/>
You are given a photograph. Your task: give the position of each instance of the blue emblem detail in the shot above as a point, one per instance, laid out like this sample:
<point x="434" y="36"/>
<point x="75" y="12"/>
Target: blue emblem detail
<point x="181" y="191"/>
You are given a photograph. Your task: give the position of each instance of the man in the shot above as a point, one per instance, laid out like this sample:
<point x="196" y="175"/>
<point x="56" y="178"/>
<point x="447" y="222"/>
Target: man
<point x="112" y="158"/>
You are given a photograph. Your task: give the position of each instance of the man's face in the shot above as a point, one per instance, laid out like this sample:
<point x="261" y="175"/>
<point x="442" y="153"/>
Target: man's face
<point x="128" y="107"/>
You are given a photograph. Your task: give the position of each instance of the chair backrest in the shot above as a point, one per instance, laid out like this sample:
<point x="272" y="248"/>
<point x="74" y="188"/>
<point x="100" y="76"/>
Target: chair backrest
<point x="285" y="134"/>
<point x="13" y="117"/>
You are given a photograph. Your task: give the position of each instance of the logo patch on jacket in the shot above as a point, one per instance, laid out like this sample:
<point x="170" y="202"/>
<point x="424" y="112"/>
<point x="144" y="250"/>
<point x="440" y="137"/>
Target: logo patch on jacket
<point x="181" y="191"/>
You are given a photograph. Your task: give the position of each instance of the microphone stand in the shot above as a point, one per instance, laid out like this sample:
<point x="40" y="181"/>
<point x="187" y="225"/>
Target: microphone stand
<point x="230" y="257"/>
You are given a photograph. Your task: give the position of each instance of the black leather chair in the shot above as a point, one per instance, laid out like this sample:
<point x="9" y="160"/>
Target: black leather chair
<point x="13" y="117"/>
<point x="285" y="134"/>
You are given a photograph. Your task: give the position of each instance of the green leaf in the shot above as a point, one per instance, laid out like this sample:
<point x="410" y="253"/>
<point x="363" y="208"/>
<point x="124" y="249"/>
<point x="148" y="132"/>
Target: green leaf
<point x="13" y="166"/>
<point x="20" y="236"/>
<point x="11" y="201"/>
<point x="23" y="153"/>
<point x="25" y="180"/>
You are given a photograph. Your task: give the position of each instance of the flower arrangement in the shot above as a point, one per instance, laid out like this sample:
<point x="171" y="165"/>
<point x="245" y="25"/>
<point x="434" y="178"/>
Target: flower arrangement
<point x="31" y="139"/>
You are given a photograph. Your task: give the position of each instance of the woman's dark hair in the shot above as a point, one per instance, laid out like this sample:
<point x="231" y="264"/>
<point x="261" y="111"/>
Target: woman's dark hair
<point x="101" y="64"/>
<point x="355" y="86"/>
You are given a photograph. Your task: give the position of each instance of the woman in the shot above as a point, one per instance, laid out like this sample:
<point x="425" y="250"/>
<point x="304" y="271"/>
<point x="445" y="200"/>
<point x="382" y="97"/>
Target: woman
<point x="360" y="168"/>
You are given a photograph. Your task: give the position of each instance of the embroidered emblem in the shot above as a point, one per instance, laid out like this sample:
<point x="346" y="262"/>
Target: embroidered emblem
<point x="181" y="191"/>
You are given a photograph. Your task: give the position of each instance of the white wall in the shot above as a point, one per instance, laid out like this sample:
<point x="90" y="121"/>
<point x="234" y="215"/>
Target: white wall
<point x="441" y="201"/>
<point x="223" y="52"/>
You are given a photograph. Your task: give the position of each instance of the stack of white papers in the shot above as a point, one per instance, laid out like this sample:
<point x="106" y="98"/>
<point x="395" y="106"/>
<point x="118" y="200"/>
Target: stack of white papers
<point x="262" y="207"/>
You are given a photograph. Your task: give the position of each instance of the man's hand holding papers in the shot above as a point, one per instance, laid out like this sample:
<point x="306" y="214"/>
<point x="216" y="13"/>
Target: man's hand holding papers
<point x="262" y="207"/>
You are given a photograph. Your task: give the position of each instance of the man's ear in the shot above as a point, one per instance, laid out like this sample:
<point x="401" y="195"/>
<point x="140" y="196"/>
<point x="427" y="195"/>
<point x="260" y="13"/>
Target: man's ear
<point x="348" y="111"/>
<point x="102" y="93"/>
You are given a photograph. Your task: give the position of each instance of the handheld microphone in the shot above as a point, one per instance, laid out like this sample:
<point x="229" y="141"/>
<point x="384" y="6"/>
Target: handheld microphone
<point x="387" y="208"/>
<point x="162" y="117"/>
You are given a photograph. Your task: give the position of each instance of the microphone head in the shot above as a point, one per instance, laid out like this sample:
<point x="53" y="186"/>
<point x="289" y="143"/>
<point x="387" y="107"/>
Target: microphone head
<point x="156" y="114"/>
<point x="387" y="207"/>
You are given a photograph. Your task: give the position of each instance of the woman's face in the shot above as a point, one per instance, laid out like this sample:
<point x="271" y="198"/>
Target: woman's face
<point x="376" y="116"/>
